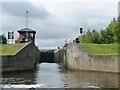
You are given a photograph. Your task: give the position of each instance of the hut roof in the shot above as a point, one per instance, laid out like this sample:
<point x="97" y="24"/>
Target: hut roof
<point x="26" y="30"/>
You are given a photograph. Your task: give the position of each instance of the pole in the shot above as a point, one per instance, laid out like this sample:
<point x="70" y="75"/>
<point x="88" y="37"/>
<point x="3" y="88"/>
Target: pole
<point x="12" y="36"/>
<point x="8" y="37"/>
<point x="26" y="19"/>
<point x="81" y="38"/>
<point x="26" y="24"/>
<point x="12" y="41"/>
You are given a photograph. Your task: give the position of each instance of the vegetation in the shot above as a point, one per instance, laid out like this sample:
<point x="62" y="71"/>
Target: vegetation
<point x="3" y="39"/>
<point x="104" y="42"/>
<point x="110" y="35"/>
<point x="7" y="49"/>
<point x="101" y="49"/>
<point x="64" y="57"/>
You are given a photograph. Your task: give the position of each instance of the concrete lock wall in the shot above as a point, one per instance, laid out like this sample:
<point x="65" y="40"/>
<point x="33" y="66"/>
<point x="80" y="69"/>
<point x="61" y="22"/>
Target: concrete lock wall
<point x="24" y="59"/>
<point x="78" y="58"/>
<point x="107" y="63"/>
<point x="59" y="55"/>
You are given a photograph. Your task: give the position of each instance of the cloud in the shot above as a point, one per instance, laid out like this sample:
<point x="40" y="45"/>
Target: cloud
<point x="97" y="23"/>
<point x="119" y="8"/>
<point x="13" y="15"/>
<point x="50" y="43"/>
<point x="0" y="16"/>
<point x="18" y="9"/>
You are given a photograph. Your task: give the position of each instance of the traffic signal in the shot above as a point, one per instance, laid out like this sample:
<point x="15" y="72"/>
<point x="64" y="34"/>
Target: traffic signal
<point x="81" y="30"/>
<point x="77" y="40"/>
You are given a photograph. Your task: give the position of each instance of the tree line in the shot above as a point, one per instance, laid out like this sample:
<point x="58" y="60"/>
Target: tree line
<point x="3" y="39"/>
<point x="110" y="34"/>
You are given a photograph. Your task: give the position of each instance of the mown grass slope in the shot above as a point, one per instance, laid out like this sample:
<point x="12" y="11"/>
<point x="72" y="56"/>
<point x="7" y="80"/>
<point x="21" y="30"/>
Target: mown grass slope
<point x="7" y="49"/>
<point x="101" y="49"/>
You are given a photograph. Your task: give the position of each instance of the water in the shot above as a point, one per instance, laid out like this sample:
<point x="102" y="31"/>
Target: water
<point x="52" y="75"/>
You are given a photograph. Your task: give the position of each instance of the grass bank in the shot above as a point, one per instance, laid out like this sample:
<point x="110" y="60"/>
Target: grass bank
<point x="64" y="57"/>
<point x="101" y="49"/>
<point x="7" y="49"/>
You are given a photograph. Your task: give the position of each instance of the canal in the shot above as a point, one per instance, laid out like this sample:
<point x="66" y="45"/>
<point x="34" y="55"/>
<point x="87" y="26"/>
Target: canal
<point x="52" y="75"/>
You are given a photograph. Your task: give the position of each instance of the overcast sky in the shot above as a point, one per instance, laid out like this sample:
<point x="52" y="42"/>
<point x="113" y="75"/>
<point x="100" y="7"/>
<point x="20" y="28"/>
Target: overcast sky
<point x="57" y="20"/>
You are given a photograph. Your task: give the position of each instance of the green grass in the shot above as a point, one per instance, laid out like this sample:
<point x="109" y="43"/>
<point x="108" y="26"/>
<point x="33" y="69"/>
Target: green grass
<point x="101" y="49"/>
<point x="7" y="49"/>
<point x="64" y="57"/>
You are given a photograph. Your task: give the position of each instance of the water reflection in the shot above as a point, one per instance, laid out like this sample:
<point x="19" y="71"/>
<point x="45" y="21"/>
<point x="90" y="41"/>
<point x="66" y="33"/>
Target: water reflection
<point x="87" y="79"/>
<point x="52" y="75"/>
<point x="22" y="77"/>
<point x="104" y="80"/>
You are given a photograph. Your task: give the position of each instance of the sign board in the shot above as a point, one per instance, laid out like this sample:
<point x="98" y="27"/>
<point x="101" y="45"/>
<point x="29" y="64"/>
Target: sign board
<point x="10" y="35"/>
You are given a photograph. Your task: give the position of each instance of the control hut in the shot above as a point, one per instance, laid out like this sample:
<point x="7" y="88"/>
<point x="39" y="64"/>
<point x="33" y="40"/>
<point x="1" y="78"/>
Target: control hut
<point x="26" y="35"/>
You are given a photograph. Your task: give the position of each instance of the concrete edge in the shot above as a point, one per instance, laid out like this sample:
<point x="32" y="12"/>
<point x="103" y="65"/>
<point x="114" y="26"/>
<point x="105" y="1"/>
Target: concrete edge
<point x="104" y="55"/>
<point x="58" y="50"/>
<point x="26" y="44"/>
<point x="90" y="53"/>
<point x="83" y="49"/>
<point x="95" y="55"/>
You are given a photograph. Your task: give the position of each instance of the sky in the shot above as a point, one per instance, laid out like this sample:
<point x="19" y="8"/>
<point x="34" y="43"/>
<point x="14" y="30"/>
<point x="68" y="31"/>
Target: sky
<point x="56" y="20"/>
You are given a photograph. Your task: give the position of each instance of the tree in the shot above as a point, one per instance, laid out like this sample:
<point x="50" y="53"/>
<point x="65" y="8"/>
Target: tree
<point x="119" y="29"/>
<point x="109" y="35"/>
<point x="95" y="37"/>
<point x="112" y="31"/>
<point x="103" y="36"/>
<point x="3" y="39"/>
<point x="86" y="38"/>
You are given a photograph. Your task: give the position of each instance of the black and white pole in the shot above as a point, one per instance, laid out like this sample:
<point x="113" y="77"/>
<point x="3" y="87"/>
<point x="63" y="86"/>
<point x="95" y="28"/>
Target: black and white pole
<point x="12" y="36"/>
